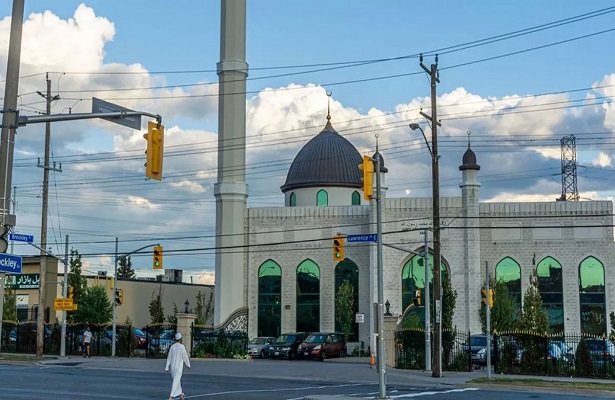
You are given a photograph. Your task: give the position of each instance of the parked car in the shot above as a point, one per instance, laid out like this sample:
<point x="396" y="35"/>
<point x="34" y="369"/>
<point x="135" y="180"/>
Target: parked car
<point x="559" y="350"/>
<point x="323" y="345"/>
<point x="601" y="351"/>
<point x="478" y="348"/>
<point x="162" y="341"/>
<point x="259" y="346"/>
<point x="285" y="346"/>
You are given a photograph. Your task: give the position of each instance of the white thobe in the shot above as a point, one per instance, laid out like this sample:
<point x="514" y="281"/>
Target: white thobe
<point x="175" y="363"/>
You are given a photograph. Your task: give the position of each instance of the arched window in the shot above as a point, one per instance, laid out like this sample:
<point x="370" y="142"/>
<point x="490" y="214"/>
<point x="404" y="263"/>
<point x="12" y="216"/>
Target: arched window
<point x="550" y="285"/>
<point x="293" y="199"/>
<point x="269" y="302"/>
<point x="346" y="274"/>
<point x="413" y="278"/>
<point x="308" y="297"/>
<point x="592" y="298"/>
<point x="509" y="272"/>
<point x="322" y="198"/>
<point x="356" y="198"/>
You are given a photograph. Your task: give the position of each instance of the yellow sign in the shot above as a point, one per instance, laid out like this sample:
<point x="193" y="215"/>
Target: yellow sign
<point x="63" y="304"/>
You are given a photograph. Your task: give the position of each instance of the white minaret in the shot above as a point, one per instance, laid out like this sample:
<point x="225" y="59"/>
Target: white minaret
<point x="231" y="190"/>
<point x="474" y="275"/>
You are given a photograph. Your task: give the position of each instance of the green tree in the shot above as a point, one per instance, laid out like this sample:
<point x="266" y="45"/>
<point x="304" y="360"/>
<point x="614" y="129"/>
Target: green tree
<point x="204" y="308"/>
<point x="449" y="302"/>
<point x="75" y="280"/>
<point x="172" y="318"/>
<point x="534" y="318"/>
<point x="612" y="317"/>
<point x="124" y="269"/>
<point x="94" y="306"/>
<point x="345" y="307"/>
<point x="156" y="310"/>
<point x="9" y="311"/>
<point x="504" y="311"/>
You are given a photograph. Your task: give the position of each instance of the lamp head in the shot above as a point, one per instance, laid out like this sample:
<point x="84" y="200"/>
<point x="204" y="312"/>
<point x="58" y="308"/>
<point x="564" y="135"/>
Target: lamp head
<point x="414" y="126"/>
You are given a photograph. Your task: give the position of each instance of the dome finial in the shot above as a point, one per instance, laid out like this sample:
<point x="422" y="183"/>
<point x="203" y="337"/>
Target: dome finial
<point x="328" y="105"/>
<point x="469" y="133"/>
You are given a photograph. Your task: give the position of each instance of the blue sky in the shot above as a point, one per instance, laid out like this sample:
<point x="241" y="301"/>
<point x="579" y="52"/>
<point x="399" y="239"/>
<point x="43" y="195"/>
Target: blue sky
<point x="519" y="153"/>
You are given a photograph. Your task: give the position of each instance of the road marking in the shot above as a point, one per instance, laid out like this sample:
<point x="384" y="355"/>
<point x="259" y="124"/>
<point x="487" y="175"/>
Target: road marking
<point x="430" y="393"/>
<point x="275" y="390"/>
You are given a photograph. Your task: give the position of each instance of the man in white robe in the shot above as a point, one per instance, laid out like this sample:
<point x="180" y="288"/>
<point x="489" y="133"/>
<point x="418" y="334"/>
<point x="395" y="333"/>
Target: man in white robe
<point x="175" y="362"/>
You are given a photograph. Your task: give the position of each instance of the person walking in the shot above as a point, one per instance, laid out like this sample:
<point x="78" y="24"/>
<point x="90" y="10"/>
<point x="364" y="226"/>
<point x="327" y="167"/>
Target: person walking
<point x="87" y="338"/>
<point x="175" y="362"/>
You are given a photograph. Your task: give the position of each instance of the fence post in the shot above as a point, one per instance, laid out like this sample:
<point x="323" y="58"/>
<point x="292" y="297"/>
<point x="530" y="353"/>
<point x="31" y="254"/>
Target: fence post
<point x="496" y="352"/>
<point x="192" y="352"/>
<point x="469" y="352"/>
<point x="147" y="340"/>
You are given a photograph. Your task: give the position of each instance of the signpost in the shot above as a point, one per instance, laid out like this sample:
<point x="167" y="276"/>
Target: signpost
<point x="131" y="121"/>
<point x="64" y="304"/>
<point x="372" y="237"/>
<point x="10" y="263"/>
<point x="18" y="237"/>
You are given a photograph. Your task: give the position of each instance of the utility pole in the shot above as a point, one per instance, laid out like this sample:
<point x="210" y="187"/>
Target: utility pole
<point x="382" y="391"/>
<point x="488" y="320"/>
<point x="435" y="175"/>
<point x="427" y="303"/>
<point x="64" y="294"/>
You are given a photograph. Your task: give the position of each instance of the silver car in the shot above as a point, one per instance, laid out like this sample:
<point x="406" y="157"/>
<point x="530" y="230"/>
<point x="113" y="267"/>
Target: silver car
<point x="259" y="346"/>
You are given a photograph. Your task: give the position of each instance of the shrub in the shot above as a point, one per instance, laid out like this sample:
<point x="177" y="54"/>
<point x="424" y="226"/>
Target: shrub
<point x="583" y="361"/>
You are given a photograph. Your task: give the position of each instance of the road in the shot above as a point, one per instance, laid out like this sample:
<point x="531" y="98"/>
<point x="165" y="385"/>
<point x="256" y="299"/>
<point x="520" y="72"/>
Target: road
<point x="272" y="380"/>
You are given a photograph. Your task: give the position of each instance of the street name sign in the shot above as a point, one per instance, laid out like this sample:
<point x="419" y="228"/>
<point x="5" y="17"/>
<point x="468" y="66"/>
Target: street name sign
<point x="18" y="237"/>
<point x="10" y="263"/>
<point x="64" y="304"/>
<point x="101" y="106"/>
<point x="372" y="237"/>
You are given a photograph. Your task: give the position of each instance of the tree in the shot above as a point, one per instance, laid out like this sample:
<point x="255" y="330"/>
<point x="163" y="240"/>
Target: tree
<point x="156" y="310"/>
<point x="204" y="309"/>
<point x="94" y="307"/>
<point x="124" y="269"/>
<point x="504" y="310"/>
<point x="345" y="307"/>
<point x="449" y="302"/>
<point x="612" y="317"/>
<point x="75" y="280"/>
<point x="534" y="318"/>
<point x="9" y="311"/>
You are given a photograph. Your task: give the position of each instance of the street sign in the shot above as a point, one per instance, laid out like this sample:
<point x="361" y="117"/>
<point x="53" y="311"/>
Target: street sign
<point x="372" y="237"/>
<point x="101" y="106"/>
<point x="64" y="304"/>
<point x="10" y="263"/>
<point x="18" y="237"/>
<point x="359" y="318"/>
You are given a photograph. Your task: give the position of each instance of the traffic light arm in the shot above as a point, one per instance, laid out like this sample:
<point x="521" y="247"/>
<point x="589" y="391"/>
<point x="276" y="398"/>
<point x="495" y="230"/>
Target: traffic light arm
<point x="118" y="256"/>
<point x="34" y="119"/>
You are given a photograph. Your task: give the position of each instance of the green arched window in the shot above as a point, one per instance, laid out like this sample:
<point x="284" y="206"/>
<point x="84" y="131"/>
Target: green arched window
<point x="509" y="272"/>
<point x="322" y="198"/>
<point x="308" y="297"/>
<point x="550" y="285"/>
<point x="293" y="199"/>
<point x="413" y="278"/>
<point x="592" y="296"/>
<point x="269" y="302"/>
<point x="345" y="309"/>
<point x="356" y="198"/>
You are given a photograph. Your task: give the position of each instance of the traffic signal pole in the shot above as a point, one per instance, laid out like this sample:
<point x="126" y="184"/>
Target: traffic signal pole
<point x="488" y="320"/>
<point x="382" y="391"/>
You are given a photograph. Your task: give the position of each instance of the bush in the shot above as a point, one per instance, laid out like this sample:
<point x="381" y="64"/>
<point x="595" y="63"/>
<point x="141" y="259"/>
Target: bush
<point x="583" y="361"/>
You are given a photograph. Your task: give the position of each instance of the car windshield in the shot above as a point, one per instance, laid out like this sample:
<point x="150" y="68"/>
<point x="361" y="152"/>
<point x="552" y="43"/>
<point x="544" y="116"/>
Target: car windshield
<point x="138" y="332"/>
<point x="286" y="339"/>
<point x="316" y="339"/>
<point x="258" y="340"/>
<point x="478" y="341"/>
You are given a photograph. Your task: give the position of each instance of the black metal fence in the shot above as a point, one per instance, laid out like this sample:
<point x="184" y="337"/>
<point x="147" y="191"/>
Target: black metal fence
<point x="218" y="343"/>
<point x="159" y="338"/>
<point x="410" y="346"/>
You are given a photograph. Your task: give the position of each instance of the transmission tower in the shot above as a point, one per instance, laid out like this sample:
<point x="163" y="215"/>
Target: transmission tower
<point x="569" y="169"/>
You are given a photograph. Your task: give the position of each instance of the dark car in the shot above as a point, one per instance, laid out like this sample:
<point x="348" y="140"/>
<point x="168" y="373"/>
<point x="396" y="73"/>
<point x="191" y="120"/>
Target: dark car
<point x="601" y="351"/>
<point x="323" y="345"/>
<point x="285" y="346"/>
<point x="478" y="348"/>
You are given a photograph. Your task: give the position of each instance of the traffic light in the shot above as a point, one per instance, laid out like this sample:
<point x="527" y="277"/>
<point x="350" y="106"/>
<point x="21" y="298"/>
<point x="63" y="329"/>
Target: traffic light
<point x="487" y="298"/>
<point x="157" y="260"/>
<point x="119" y="297"/>
<point x="155" y="150"/>
<point x="417" y="297"/>
<point x="71" y="292"/>
<point x="338" y="248"/>
<point x="368" y="177"/>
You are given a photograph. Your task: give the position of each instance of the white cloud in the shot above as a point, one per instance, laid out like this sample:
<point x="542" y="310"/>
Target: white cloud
<point x="603" y="160"/>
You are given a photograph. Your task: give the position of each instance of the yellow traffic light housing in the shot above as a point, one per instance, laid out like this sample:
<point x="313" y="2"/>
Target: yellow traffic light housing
<point x="155" y="150"/>
<point x="71" y="292"/>
<point x="157" y="260"/>
<point x="338" y="248"/>
<point x="119" y="297"/>
<point x="487" y="297"/>
<point x="368" y="177"/>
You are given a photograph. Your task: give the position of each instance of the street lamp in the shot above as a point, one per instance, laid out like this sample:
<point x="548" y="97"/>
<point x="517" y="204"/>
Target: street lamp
<point x="437" y="282"/>
<point x="187" y="304"/>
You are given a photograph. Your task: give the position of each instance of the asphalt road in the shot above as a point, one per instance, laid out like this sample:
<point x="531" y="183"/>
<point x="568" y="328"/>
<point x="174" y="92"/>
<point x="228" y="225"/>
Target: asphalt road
<point x="224" y="381"/>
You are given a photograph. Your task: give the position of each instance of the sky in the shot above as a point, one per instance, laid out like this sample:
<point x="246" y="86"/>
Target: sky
<point x="519" y="76"/>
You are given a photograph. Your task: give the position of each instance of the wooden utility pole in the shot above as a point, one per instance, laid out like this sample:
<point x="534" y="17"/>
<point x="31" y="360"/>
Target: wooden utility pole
<point x="434" y="78"/>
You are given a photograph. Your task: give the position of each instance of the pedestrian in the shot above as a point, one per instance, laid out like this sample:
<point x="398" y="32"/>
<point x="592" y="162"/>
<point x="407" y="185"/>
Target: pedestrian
<point x="175" y="362"/>
<point x="87" y="338"/>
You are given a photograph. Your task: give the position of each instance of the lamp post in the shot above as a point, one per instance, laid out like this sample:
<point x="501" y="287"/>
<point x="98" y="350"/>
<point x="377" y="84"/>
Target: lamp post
<point x="187" y="304"/>
<point x="437" y="283"/>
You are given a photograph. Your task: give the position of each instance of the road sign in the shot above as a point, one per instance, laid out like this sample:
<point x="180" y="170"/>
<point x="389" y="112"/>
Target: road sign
<point x="64" y="304"/>
<point x="101" y="106"/>
<point x="10" y="263"/>
<point x="18" y="237"/>
<point x="359" y="318"/>
<point x="372" y="237"/>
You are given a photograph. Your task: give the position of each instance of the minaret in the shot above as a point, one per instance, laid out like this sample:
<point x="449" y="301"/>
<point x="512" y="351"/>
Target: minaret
<point x="473" y="277"/>
<point x="231" y="190"/>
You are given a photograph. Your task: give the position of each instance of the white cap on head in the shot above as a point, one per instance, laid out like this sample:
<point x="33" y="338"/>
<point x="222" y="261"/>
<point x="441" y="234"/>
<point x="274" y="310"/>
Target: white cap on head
<point x="178" y="336"/>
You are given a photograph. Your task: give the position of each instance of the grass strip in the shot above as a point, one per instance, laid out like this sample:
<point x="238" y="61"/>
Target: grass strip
<point x="544" y="383"/>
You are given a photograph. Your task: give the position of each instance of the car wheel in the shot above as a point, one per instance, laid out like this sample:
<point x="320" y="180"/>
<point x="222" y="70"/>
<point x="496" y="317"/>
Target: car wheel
<point x="323" y="355"/>
<point x="262" y="354"/>
<point x="291" y="355"/>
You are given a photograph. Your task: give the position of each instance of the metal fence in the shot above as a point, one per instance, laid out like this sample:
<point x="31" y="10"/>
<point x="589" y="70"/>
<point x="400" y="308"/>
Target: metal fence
<point x="218" y="343"/>
<point x="159" y="338"/>
<point x="410" y="349"/>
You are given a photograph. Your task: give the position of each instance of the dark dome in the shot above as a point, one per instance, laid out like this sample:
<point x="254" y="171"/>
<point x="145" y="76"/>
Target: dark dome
<point x="328" y="159"/>
<point x="469" y="161"/>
